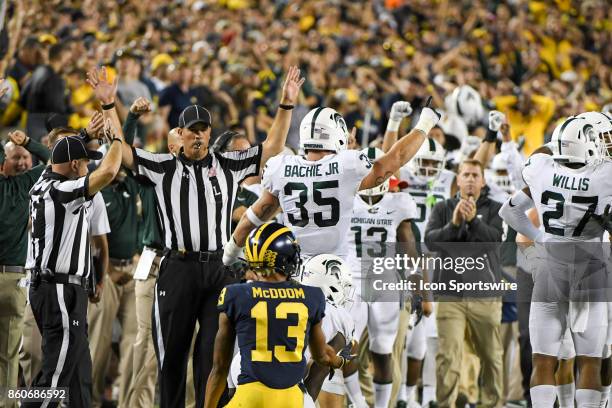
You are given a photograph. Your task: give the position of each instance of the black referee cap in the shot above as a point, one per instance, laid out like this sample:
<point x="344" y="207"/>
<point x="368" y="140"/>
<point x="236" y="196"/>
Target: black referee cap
<point x="194" y="114"/>
<point x="72" y="148"/>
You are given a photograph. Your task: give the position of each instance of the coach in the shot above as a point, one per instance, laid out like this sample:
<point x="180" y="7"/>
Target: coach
<point x="468" y="225"/>
<point x="195" y="192"/>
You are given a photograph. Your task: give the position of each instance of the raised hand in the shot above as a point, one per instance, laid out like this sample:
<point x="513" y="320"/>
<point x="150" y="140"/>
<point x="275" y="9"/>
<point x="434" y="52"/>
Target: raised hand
<point x="18" y="137"/>
<point x="105" y="91"/>
<point x="496" y="120"/>
<point x="399" y="110"/>
<point x="291" y="87"/>
<point x="95" y="125"/>
<point x="4" y="87"/>
<point x="141" y="106"/>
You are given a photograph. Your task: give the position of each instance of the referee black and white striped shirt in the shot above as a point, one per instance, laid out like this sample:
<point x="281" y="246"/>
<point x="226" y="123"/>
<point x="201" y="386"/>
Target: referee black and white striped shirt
<point x="195" y="198"/>
<point x="59" y="237"/>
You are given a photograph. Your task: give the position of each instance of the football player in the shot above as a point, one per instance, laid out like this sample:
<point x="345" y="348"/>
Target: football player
<point x="569" y="187"/>
<point x="333" y="276"/>
<point x="427" y="182"/>
<point x="379" y="219"/>
<point x="273" y="319"/>
<point x="316" y="192"/>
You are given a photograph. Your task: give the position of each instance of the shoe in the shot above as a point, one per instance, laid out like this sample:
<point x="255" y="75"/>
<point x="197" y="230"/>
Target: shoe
<point x="401" y="404"/>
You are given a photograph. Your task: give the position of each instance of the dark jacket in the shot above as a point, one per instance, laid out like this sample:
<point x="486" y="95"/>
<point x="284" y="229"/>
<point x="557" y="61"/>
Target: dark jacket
<point x="479" y="240"/>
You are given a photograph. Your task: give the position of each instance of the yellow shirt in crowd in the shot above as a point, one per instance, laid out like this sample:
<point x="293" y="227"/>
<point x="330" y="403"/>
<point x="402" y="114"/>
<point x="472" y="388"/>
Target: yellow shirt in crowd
<point x="532" y="126"/>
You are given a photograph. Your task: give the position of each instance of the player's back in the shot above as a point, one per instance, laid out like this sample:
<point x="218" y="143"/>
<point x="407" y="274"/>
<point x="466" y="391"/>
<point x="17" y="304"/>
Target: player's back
<point x="566" y="198"/>
<point x="374" y="227"/>
<point x="272" y="322"/>
<point x="426" y="195"/>
<point x="317" y="197"/>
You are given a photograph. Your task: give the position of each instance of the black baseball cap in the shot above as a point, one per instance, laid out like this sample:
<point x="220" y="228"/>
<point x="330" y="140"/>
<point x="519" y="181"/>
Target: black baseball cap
<point x="194" y="114"/>
<point x="72" y="148"/>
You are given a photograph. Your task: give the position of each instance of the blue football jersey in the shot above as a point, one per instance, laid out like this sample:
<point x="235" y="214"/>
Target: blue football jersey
<point x="272" y="322"/>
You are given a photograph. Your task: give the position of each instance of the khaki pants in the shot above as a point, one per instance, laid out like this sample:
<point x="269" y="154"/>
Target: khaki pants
<point x="365" y="376"/>
<point x="30" y="356"/>
<point x="117" y="302"/>
<point x="144" y="363"/>
<point x="512" y="370"/>
<point x="483" y="318"/>
<point x="12" y="306"/>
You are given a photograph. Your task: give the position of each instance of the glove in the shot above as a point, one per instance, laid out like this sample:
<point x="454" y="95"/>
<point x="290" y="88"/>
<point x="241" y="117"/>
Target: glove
<point x="399" y="111"/>
<point x="416" y="304"/>
<point x="231" y="252"/>
<point x="345" y="353"/>
<point x="496" y="119"/>
<point x="428" y="119"/>
<point x="605" y="219"/>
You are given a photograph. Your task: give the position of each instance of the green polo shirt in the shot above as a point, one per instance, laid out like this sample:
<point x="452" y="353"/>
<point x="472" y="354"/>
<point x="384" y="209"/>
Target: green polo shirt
<point x="14" y="215"/>
<point x="121" y="200"/>
<point x="149" y="225"/>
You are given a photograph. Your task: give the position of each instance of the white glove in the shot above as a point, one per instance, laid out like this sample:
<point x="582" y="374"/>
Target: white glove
<point x="496" y="119"/>
<point x="428" y="119"/>
<point x="399" y="111"/>
<point x="231" y="252"/>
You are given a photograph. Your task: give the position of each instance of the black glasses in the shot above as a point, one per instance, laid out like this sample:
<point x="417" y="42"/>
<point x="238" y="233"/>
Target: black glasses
<point x="199" y="127"/>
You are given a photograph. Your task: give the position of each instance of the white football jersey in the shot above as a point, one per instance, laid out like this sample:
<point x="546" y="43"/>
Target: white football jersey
<point x="426" y="195"/>
<point x="317" y="197"/>
<point x="337" y="320"/>
<point x="566" y="198"/>
<point x="374" y="227"/>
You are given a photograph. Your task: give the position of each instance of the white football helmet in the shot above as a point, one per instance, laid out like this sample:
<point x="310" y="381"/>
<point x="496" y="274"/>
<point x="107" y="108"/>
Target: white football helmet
<point x="332" y="275"/>
<point x="374" y="154"/>
<point x="575" y="141"/>
<point x="465" y="102"/>
<point x="323" y="129"/>
<point x="428" y="161"/>
<point x="602" y="124"/>
<point x="499" y="174"/>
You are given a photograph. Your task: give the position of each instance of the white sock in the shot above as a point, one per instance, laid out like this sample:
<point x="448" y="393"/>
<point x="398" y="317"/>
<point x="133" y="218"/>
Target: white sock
<point x="353" y="390"/>
<point x="382" y="393"/>
<point x="565" y="394"/>
<point x="401" y="395"/>
<point x="542" y="396"/>
<point x="429" y="394"/>
<point x="586" y="398"/>
<point x="410" y="395"/>
<point x="605" y="395"/>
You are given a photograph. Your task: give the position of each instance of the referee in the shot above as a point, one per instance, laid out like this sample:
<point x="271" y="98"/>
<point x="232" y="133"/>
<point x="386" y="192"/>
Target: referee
<point x="195" y="192"/>
<point x="59" y="254"/>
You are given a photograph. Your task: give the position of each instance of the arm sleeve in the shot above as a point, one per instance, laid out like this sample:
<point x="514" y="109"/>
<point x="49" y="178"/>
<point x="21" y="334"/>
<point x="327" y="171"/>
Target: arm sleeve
<point x="438" y="230"/>
<point x="268" y="178"/>
<point x="99" y="219"/>
<point x="39" y="150"/>
<point x="152" y="165"/>
<point x="71" y="190"/>
<point x="513" y="212"/>
<point x="514" y="161"/>
<point x="129" y="128"/>
<point x="227" y="303"/>
<point x="242" y="163"/>
<point x="319" y="312"/>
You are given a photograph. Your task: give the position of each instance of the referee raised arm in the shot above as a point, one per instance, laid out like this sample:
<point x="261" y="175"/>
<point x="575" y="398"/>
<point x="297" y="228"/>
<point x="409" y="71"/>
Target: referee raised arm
<point x="195" y="193"/>
<point x="59" y="257"/>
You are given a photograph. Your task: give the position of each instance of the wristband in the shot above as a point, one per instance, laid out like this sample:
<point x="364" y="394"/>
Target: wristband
<point x="393" y="125"/>
<point x="286" y="107"/>
<point x="108" y="106"/>
<point x="491" y="136"/>
<point x="251" y="216"/>
<point x="84" y="135"/>
<point x="114" y="139"/>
